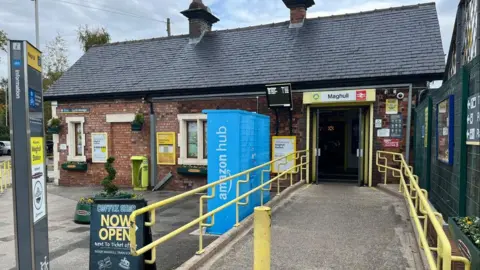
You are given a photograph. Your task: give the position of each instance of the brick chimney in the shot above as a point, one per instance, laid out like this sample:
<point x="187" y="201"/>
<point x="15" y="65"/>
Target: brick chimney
<point x="200" y="19"/>
<point x="298" y="11"/>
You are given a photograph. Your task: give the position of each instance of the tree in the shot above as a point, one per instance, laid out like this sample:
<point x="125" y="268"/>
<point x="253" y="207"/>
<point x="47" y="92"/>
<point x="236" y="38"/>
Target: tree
<point x="55" y="61"/>
<point x="91" y="37"/>
<point x="3" y="41"/>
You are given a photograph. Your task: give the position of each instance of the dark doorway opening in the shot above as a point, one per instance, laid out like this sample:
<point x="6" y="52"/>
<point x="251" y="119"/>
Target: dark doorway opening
<point x="338" y="141"/>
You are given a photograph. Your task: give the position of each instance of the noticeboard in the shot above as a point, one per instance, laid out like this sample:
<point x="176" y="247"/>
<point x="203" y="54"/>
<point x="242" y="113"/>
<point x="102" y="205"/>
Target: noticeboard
<point x="166" y="154"/>
<point x="445" y="140"/>
<point x="109" y="234"/>
<point x="473" y="120"/>
<point x="99" y="147"/>
<point x="282" y="146"/>
<point x="279" y="96"/>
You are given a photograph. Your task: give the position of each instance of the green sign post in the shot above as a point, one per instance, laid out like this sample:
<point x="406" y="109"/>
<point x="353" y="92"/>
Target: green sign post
<point x="28" y="156"/>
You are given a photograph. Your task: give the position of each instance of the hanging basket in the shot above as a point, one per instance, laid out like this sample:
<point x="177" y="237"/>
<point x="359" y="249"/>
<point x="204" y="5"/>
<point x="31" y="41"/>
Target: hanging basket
<point x="54" y="130"/>
<point x="137" y="127"/>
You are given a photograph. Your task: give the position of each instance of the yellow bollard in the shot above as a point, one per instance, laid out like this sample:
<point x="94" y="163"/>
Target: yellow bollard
<point x="261" y="238"/>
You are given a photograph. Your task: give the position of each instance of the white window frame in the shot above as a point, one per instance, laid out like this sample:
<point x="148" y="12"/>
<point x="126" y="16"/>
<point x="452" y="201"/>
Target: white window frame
<point x="71" y="121"/>
<point x="182" y="139"/>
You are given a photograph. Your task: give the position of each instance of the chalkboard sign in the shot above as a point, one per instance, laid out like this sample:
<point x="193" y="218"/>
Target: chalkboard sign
<point x="396" y="126"/>
<point x="473" y="120"/>
<point x="279" y="95"/>
<point x="109" y="235"/>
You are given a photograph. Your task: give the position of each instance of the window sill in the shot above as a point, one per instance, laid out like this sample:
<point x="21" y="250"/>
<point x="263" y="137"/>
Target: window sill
<point x="192" y="161"/>
<point x="78" y="159"/>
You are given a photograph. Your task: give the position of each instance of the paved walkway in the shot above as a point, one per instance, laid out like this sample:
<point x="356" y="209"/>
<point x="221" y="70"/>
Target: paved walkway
<point x="69" y="242"/>
<point x="334" y="226"/>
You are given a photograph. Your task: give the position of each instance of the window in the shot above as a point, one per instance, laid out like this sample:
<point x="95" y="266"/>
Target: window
<point x="76" y="139"/>
<point x="193" y="139"/>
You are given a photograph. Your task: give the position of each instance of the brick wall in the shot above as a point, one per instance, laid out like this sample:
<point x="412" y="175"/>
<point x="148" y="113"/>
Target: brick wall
<point x="124" y="143"/>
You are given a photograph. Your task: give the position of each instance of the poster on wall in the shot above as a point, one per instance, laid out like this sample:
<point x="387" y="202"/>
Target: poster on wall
<point x="282" y="146"/>
<point x="166" y="154"/>
<point x="473" y="120"/>
<point x="391" y="106"/>
<point x="445" y="130"/>
<point x="99" y="147"/>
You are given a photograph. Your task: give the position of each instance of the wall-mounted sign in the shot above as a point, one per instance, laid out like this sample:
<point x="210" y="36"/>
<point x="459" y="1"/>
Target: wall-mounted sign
<point x="282" y="146"/>
<point x="279" y="95"/>
<point x="473" y="120"/>
<point x="99" y="147"/>
<point x="63" y="146"/>
<point x="378" y="123"/>
<point x="346" y="96"/>
<point x="75" y="110"/>
<point x="445" y="116"/>
<point x="391" y="143"/>
<point x="391" y="106"/>
<point x="383" y="132"/>
<point x="396" y="126"/>
<point x="166" y="154"/>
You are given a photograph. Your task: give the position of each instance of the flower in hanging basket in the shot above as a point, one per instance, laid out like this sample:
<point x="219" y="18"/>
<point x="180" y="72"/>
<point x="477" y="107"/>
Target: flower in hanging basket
<point x="54" y="125"/>
<point x="137" y="123"/>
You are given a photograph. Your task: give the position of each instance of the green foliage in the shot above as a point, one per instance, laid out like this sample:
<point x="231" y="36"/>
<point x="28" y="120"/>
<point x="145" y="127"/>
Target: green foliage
<point x="470" y="226"/>
<point x="139" y="119"/>
<point x="91" y="37"/>
<point x="54" y="122"/>
<point x="109" y="188"/>
<point x="3" y="41"/>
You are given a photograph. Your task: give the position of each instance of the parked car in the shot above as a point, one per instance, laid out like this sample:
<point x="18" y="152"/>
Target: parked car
<point x="5" y="148"/>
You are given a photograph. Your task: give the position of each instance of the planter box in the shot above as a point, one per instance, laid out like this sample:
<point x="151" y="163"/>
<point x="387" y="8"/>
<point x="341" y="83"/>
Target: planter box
<point x="82" y="213"/>
<point x="136" y="127"/>
<point x="82" y="167"/>
<point x="192" y="170"/>
<point x="466" y="246"/>
<point x="54" y="130"/>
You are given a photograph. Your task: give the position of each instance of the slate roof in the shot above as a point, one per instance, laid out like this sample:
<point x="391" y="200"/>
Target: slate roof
<point x="390" y="42"/>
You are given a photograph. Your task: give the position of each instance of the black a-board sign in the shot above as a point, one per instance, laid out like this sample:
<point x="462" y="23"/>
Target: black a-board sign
<point x="109" y="235"/>
<point x="279" y="95"/>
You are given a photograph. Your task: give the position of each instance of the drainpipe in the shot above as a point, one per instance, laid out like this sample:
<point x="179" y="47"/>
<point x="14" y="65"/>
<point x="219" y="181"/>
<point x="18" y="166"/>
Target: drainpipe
<point x="409" y="123"/>
<point x="153" y="147"/>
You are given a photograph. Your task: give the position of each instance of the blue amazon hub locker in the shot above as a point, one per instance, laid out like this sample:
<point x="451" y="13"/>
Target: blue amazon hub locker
<point x="236" y="141"/>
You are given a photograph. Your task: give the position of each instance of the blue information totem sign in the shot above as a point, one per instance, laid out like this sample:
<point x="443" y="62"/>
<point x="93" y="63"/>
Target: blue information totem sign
<point x="237" y="141"/>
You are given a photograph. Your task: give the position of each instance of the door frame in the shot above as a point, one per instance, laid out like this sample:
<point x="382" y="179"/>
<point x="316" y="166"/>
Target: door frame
<point x="312" y="140"/>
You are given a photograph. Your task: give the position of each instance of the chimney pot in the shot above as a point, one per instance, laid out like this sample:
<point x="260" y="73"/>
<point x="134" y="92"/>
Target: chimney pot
<point x="200" y="19"/>
<point x="298" y="11"/>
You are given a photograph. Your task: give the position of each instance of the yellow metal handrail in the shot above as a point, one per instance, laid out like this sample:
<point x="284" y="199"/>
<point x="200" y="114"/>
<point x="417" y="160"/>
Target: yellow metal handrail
<point x="5" y="175"/>
<point x="238" y="201"/>
<point x="420" y="210"/>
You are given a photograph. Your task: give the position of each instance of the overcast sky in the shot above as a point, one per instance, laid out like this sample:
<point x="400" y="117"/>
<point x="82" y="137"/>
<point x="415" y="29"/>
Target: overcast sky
<point x="139" y="19"/>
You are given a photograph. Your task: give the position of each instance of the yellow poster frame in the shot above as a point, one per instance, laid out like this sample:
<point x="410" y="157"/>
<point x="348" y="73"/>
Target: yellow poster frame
<point x="106" y="146"/>
<point x="172" y="137"/>
<point x="273" y="169"/>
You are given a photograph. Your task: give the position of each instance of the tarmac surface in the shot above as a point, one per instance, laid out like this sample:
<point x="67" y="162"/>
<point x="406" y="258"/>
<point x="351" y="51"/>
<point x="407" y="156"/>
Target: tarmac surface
<point x="333" y="226"/>
<point x="69" y="242"/>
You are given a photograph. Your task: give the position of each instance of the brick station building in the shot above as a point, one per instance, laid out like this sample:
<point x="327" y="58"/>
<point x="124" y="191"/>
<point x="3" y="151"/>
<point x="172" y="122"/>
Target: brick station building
<point x="335" y="66"/>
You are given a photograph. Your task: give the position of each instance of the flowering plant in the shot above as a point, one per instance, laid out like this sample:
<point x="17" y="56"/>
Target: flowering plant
<point x="85" y="200"/>
<point x="470" y="226"/>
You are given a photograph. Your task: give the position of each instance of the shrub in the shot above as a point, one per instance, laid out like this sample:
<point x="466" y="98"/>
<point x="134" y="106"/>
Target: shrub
<point x="109" y="188"/>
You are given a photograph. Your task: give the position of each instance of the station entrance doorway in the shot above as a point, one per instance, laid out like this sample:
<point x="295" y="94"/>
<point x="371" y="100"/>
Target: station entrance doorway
<point x="341" y="137"/>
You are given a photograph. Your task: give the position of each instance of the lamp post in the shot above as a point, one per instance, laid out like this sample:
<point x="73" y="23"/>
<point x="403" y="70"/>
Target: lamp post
<point x="37" y="27"/>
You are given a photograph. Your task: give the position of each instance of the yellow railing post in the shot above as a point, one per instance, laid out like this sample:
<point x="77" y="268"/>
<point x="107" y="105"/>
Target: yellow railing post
<point x="238" y="203"/>
<point x="261" y="238"/>
<point x="202" y="223"/>
<point x="2" y="178"/>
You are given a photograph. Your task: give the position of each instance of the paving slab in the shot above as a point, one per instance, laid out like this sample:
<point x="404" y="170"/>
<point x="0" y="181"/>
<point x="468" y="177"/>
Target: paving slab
<point x="69" y="242"/>
<point x="333" y="226"/>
